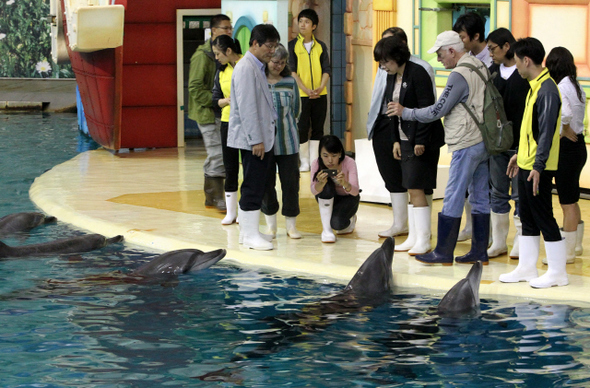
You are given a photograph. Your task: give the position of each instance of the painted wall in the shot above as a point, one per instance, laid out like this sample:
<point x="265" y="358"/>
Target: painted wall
<point x="25" y="41"/>
<point x="362" y="89"/>
<point x="274" y="12"/>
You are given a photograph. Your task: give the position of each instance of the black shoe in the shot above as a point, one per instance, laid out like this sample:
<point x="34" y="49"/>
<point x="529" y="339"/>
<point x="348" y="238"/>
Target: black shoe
<point x="448" y="230"/>
<point x="479" y="241"/>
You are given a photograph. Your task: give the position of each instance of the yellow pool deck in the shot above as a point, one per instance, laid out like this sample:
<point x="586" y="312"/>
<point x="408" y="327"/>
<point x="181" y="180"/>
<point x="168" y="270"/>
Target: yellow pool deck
<point x="155" y="199"/>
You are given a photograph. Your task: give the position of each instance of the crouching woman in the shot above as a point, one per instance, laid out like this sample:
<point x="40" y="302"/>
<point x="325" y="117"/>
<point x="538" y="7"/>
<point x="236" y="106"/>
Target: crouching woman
<point x="335" y="186"/>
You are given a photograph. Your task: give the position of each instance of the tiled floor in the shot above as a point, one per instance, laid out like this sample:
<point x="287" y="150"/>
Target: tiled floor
<point x="154" y="198"/>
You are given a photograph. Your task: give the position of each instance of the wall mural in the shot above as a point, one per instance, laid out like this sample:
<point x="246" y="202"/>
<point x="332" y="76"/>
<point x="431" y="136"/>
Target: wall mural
<point x="362" y="24"/>
<point x="25" y="41"/>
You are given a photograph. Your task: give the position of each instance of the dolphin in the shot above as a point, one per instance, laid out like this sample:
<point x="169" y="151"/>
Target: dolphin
<point x="370" y="287"/>
<point x="77" y="244"/>
<point x="179" y="262"/>
<point x="374" y="278"/>
<point x="163" y="269"/>
<point x="463" y="297"/>
<point x="23" y="222"/>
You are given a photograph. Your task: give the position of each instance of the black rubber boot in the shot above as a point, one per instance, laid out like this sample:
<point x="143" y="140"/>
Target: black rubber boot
<point x="479" y="241"/>
<point x="448" y="230"/>
<point x="214" y="193"/>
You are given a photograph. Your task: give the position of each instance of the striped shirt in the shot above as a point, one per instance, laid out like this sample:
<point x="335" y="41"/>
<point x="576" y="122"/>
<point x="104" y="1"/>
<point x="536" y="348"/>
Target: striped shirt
<point x="285" y="95"/>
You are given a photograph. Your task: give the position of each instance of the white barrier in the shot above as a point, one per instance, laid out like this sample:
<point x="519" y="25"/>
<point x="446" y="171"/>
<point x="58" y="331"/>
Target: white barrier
<point x="371" y="183"/>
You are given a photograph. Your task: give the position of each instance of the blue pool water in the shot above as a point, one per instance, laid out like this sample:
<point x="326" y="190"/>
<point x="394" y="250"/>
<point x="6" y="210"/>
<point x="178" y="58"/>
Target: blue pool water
<point x="230" y="327"/>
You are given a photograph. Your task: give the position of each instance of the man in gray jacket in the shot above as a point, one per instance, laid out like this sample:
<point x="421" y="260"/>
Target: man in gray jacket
<point x="469" y="163"/>
<point x="252" y="130"/>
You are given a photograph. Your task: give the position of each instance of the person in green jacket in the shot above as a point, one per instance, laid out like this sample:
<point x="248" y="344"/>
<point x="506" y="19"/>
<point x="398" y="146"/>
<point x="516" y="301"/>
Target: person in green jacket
<point x="200" y="109"/>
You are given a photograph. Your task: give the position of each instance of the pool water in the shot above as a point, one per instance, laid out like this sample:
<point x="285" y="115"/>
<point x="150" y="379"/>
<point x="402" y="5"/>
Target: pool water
<point x="231" y="327"/>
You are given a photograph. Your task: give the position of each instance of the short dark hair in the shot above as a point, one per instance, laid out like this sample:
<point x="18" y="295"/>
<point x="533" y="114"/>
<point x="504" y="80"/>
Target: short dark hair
<point x="396" y="31"/>
<point x="224" y="42"/>
<point x="263" y="33"/>
<point x="310" y="14"/>
<point x="501" y="36"/>
<point x="392" y="48"/>
<point x="529" y="47"/>
<point x="217" y="19"/>
<point x="560" y="63"/>
<point x="472" y="23"/>
<point x="333" y="145"/>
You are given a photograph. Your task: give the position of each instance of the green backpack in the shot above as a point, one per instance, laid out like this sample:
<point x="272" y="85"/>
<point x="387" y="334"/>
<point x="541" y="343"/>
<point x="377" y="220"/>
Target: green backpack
<point x="495" y="129"/>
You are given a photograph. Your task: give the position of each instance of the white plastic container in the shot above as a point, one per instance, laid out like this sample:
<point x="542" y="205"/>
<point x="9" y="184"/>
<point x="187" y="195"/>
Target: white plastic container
<point x="94" y="27"/>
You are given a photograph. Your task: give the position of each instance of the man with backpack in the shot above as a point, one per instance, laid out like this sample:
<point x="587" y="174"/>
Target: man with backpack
<point x="469" y="163"/>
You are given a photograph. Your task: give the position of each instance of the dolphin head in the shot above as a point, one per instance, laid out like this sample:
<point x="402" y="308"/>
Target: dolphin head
<point x="206" y="259"/>
<point x="464" y="296"/>
<point x="374" y="278"/>
<point x="179" y="262"/>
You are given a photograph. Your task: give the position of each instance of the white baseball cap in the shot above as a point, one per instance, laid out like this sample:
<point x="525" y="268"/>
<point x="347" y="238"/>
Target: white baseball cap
<point x="445" y="38"/>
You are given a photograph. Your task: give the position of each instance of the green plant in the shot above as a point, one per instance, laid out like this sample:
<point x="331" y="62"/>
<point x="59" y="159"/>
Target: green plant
<point x="25" y="41"/>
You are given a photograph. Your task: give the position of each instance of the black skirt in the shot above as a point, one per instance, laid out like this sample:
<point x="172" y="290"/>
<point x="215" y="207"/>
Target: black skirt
<point x="419" y="172"/>
<point x="572" y="157"/>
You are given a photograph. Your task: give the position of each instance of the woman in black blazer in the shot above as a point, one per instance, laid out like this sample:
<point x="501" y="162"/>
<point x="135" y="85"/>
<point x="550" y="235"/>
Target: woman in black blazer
<point x="416" y="145"/>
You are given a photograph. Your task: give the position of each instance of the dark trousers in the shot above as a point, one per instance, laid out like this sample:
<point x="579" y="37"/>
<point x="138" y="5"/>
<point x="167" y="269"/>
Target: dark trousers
<point x="253" y="185"/>
<point x="231" y="161"/>
<point x="345" y="206"/>
<point x="313" y="114"/>
<point x="572" y="157"/>
<point x="289" y="176"/>
<point x="389" y="167"/>
<point x="536" y="211"/>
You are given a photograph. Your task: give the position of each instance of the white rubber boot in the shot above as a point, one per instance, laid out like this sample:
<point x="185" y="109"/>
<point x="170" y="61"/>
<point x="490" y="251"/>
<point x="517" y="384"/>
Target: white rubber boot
<point x="231" y="202"/>
<point x="580" y="239"/>
<point x="527" y="263"/>
<point x="250" y="233"/>
<point x="304" y="157"/>
<point x="422" y="221"/>
<point x="465" y="234"/>
<point x="267" y="237"/>
<point x="399" y="205"/>
<point x="411" y="240"/>
<point x="514" y="251"/>
<point x="271" y="223"/>
<point x="291" y="228"/>
<point x="350" y="227"/>
<point x="500" y="226"/>
<point x="313" y="150"/>
<point x="556" y="274"/>
<point x="326" y="206"/>
<point x="570" y="247"/>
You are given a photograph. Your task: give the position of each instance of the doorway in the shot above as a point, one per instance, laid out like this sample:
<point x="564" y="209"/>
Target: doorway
<point x="192" y="30"/>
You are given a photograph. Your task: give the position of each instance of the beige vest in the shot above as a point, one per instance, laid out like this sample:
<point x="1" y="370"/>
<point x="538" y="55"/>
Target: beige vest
<point x="460" y="129"/>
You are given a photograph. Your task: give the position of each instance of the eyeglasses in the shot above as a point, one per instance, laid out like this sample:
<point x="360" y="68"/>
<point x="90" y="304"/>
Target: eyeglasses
<point x="492" y="48"/>
<point x="279" y="63"/>
<point x="271" y="47"/>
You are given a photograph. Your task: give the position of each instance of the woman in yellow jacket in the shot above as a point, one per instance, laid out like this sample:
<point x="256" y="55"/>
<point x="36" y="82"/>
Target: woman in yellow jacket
<point x="226" y="53"/>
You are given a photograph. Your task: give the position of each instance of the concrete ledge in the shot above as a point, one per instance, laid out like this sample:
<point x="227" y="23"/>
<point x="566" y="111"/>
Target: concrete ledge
<point x="48" y="94"/>
<point x="21" y="105"/>
<point x="88" y="192"/>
